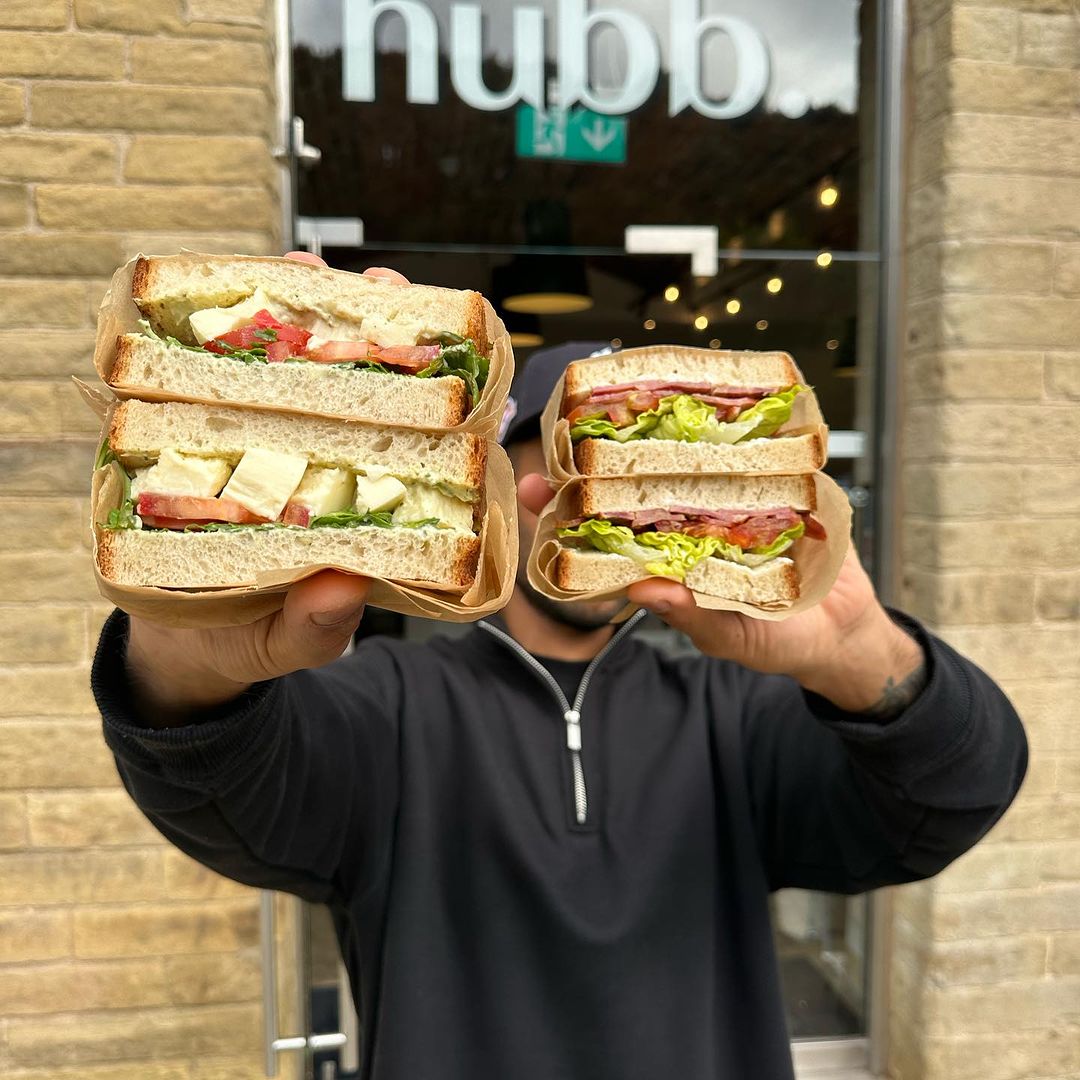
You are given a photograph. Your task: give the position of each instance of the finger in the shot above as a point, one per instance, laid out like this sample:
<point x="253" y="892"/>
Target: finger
<point x="305" y="257"/>
<point x="386" y="272"/>
<point x="663" y="597"/>
<point x="534" y="492"/>
<point x="320" y="615"/>
<point x="717" y="633"/>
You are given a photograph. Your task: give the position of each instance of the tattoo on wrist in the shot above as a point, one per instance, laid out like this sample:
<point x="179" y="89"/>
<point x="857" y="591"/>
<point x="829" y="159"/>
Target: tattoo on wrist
<point x="897" y="696"/>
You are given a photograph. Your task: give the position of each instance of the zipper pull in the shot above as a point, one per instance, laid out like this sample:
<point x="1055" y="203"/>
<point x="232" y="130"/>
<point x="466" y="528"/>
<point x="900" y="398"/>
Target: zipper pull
<point x="573" y="729"/>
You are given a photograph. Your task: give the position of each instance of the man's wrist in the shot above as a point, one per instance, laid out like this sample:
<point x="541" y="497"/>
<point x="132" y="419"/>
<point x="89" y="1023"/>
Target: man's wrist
<point x="878" y="670"/>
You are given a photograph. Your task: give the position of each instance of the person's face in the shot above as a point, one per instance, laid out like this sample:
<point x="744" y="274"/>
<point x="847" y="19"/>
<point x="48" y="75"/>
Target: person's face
<point x="528" y="457"/>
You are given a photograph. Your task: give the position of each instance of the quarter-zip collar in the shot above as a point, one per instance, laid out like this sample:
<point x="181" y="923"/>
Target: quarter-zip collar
<point x="571" y="712"/>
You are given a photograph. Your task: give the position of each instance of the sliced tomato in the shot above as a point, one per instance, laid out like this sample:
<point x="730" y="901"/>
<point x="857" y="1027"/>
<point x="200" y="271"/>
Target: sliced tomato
<point x="409" y="357"/>
<point x="643" y="400"/>
<point x="265" y="320"/>
<point x="584" y="411"/>
<point x="277" y="351"/>
<point x="341" y="352"/>
<point x="296" y="514"/>
<point x="192" y="509"/>
<point x="247" y="337"/>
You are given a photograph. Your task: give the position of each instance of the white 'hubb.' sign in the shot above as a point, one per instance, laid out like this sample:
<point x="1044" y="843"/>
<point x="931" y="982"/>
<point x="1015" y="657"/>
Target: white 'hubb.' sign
<point x="574" y="21"/>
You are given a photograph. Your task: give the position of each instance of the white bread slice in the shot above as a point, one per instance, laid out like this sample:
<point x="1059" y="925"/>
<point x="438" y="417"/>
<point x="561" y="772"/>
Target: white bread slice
<point x="144" y="365"/>
<point x="168" y="289"/>
<point x="608" y="494"/>
<point x="183" y="560"/>
<point x="140" y="430"/>
<point x="776" y="454"/>
<point x="774" y="583"/>
<point x="674" y="363"/>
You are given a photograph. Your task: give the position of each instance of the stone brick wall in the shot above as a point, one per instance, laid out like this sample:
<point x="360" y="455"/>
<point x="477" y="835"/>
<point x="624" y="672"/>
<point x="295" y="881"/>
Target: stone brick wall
<point x="986" y="958"/>
<point x="120" y="959"/>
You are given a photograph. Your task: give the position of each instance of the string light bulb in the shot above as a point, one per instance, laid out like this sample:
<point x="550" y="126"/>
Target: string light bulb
<point x="832" y="344"/>
<point x="715" y="343"/>
<point x="774" y="285"/>
<point x="824" y="259"/>
<point x="671" y="293"/>
<point x="733" y="306"/>
<point x="762" y="324"/>
<point x="701" y="323"/>
<point x="828" y="194"/>
<point x="649" y="324"/>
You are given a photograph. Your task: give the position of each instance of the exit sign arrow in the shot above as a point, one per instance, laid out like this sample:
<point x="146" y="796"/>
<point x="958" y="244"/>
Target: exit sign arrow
<point x="570" y="135"/>
<point x="600" y="134"/>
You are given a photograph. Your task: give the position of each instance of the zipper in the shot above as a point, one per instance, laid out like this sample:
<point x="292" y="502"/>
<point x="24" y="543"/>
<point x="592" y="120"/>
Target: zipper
<point x="571" y="713"/>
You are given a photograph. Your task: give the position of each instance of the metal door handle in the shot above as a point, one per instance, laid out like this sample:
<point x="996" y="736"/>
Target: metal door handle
<point x="299" y="149"/>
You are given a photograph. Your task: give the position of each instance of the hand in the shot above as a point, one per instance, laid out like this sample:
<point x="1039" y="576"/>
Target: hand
<point x="846" y="648"/>
<point x="175" y="673"/>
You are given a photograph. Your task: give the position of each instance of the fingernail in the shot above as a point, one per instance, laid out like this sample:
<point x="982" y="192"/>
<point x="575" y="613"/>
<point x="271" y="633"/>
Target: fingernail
<point x="340" y="617"/>
<point x="659" y="607"/>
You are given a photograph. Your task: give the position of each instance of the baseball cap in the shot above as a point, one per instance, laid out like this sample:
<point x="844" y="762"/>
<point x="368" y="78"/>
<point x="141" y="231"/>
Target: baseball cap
<point x="533" y="384"/>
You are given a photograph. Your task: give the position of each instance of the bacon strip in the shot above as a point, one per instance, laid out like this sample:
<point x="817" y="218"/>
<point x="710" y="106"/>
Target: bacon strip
<point x="621" y="402"/>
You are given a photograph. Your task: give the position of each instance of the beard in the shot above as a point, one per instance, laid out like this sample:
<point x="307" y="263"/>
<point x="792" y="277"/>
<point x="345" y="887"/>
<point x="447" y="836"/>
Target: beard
<point x="576" y="614"/>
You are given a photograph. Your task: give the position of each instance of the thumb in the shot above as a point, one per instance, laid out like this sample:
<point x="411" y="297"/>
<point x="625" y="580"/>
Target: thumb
<point x="320" y="615"/>
<point x="716" y="633"/>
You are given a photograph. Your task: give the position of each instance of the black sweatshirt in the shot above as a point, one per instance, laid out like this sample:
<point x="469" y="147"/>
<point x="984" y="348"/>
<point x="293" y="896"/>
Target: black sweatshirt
<point x="426" y="793"/>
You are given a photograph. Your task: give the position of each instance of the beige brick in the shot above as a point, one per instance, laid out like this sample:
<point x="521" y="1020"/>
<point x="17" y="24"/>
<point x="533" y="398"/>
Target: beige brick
<point x="41" y="634"/>
<point x="42" y="303"/>
<point x="1061" y="861"/>
<point x="962" y="374"/>
<point x="984" y="35"/>
<point x="1036" y="208"/>
<point x="28" y="408"/>
<point x="1068" y="774"/>
<point x="238" y="11"/>
<point x="12" y="101"/>
<point x="97" y="56"/>
<point x="1064" y="958"/>
<point x="960" y="490"/>
<point x="76" y="819"/>
<point x="1026" y="144"/>
<point x="131" y="16"/>
<point x="62" y="754"/>
<point x="1054" y="818"/>
<point x="30" y="577"/>
<point x="188" y="880"/>
<point x="1013" y="1056"/>
<point x="14" y="204"/>
<point x="970" y="598"/>
<point x="205" y="980"/>
<point x="27" y="934"/>
<point x="50" y="523"/>
<point x="147" y="207"/>
<point x="960" y="545"/>
<point x="1010" y="652"/>
<point x="34" y="14"/>
<point x="968" y="916"/>
<point x="993" y="87"/>
<point x="1067" y="270"/>
<point x="976" y="431"/>
<point x="1013" y="1006"/>
<point x="37" y="156"/>
<point x="58" y="467"/>
<point x="928" y="150"/>
<point x="1042" y="773"/>
<point x="142" y="1070"/>
<point x="926" y="203"/>
<point x="1048" y="708"/>
<point x="999" y="268"/>
<point x="90" y="106"/>
<point x="202" y="63"/>
<point x="224" y="243"/>
<point x="12" y="822"/>
<point x="46" y="352"/>
<point x="232" y="1068"/>
<point x="1063" y="375"/>
<point x="52" y="691"/>
<point x="1049" y="40"/>
<point x="131" y="1034"/>
<point x="221" y="926"/>
<point x="80" y="986"/>
<point x="179" y="159"/>
<point x="958" y="963"/>
<point x="1037" y="321"/>
<point x="82" y="877"/>
<point x="1050" y="489"/>
<point x="1057" y="596"/>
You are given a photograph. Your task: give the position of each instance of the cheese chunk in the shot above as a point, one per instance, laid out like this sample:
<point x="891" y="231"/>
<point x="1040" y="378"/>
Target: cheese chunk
<point x="325" y="491"/>
<point x="214" y="322"/>
<point x="264" y="480"/>
<point x="384" y="332"/>
<point x="422" y="502"/>
<point x="383" y="493"/>
<point x="182" y="474"/>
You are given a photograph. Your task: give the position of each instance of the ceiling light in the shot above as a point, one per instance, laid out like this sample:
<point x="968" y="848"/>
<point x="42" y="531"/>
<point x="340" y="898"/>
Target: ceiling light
<point x="762" y="324"/>
<point x="671" y="293"/>
<point x="824" y="259"/>
<point x="548" y="303"/>
<point x="733" y="306"/>
<point x="525" y="340"/>
<point x="828" y="194"/>
<point x="701" y="322"/>
<point x="774" y="284"/>
<point x="543" y="285"/>
<point x="649" y="324"/>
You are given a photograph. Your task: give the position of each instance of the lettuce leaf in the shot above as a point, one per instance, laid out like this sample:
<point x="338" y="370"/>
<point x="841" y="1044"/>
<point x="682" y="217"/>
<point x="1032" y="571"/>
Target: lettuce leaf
<point x="683" y="418"/>
<point x="679" y="553"/>
<point x="347" y="519"/>
<point x="463" y="360"/>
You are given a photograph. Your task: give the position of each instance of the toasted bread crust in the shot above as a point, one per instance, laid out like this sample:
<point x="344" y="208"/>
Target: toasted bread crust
<point x="476" y="324"/>
<point x="140" y="278"/>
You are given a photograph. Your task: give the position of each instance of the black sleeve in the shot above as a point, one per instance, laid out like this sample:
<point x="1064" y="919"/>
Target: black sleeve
<point x="291" y="787"/>
<point x="844" y="803"/>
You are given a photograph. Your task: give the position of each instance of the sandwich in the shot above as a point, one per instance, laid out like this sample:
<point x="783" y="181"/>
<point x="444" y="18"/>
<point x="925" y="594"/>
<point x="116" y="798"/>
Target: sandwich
<point x="194" y="497"/>
<point x="733" y="537"/>
<point x="672" y="410"/>
<point x="282" y="333"/>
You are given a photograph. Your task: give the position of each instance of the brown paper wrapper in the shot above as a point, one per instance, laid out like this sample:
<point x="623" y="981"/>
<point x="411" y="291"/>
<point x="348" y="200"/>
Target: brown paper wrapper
<point x="818" y="561"/>
<point x="232" y="606"/>
<point x="118" y="315"/>
<point x="806" y="415"/>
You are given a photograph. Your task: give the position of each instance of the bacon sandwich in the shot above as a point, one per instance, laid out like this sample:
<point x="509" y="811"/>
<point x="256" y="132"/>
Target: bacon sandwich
<point x="734" y="537"/>
<point x="678" y="410"/>
<point x="206" y="496"/>
<point x="282" y="333"/>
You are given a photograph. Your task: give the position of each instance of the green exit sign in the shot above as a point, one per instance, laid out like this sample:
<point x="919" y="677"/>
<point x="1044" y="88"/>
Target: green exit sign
<point x="570" y="135"/>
